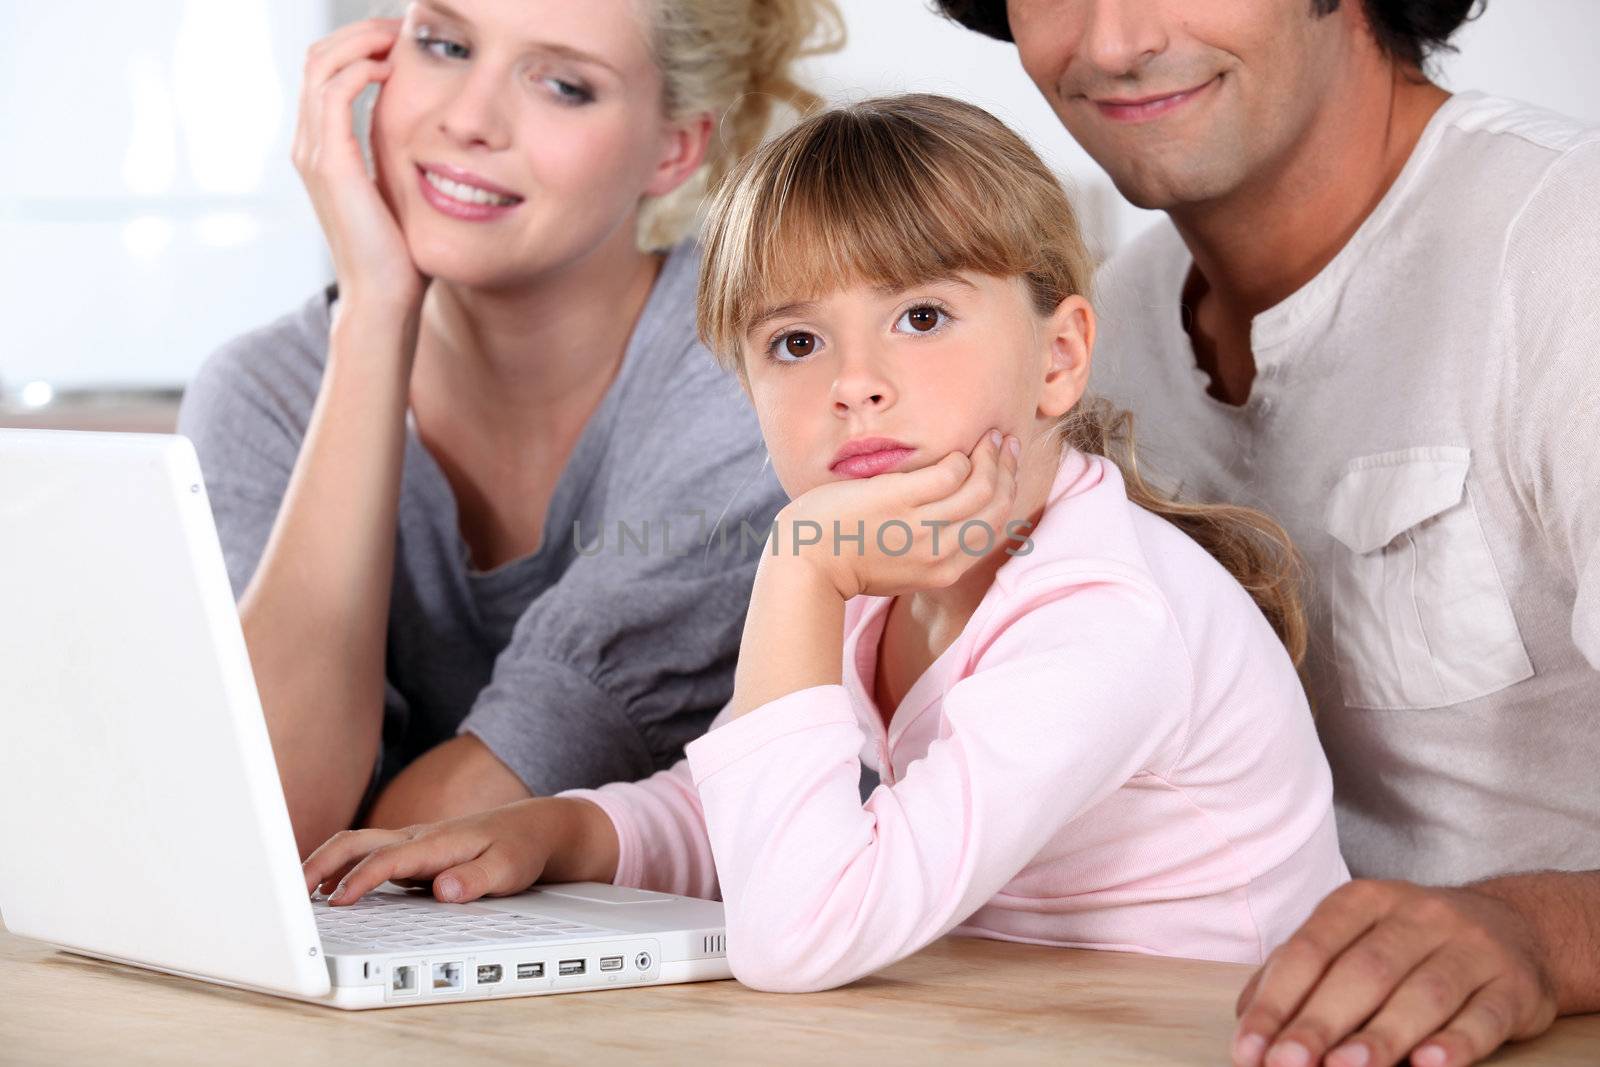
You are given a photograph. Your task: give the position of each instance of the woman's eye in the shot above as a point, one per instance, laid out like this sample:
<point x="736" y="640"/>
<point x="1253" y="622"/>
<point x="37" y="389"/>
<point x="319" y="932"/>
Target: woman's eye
<point x="798" y="345"/>
<point x="442" y="47"/>
<point x="569" y="92"/>
<point x="923" y="318"/>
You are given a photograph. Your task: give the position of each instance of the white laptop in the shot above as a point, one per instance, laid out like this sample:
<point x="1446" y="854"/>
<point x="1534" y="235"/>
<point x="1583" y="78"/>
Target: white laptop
<point x="141" y="816"/>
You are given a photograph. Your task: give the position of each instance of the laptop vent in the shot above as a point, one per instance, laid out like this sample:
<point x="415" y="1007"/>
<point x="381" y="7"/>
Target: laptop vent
<point x="715" y="944"/>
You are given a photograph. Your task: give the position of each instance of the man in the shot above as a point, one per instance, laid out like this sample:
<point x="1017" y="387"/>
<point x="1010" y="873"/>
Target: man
<point x="1374" y="311"/>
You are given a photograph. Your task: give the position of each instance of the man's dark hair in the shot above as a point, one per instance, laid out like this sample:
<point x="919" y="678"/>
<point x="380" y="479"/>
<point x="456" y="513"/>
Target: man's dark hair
<point x="1408" y="31"/>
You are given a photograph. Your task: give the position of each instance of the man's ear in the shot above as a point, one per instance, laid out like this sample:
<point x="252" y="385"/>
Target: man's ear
<point x="1069" y="335"/>
<point x="683" y="150"/>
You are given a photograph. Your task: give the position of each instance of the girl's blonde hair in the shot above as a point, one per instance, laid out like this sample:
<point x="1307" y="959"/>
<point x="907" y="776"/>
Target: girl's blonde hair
<point x="735" y="59"/>
<point x="900" y="190"/>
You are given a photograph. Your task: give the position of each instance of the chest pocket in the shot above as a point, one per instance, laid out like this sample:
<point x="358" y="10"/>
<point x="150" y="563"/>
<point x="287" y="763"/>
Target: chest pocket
<point x="1420" y="617"/>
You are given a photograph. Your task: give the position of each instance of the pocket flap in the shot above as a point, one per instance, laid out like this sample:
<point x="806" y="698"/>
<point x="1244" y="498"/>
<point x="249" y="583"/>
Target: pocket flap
<point x="1380" y="496"/>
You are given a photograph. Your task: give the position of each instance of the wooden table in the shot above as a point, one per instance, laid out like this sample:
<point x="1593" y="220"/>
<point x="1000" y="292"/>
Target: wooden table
<point x="964" y="1001"/>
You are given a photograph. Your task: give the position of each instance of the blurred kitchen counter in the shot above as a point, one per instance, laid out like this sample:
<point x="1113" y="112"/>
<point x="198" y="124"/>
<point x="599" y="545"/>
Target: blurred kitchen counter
<point x="120" y="410"/>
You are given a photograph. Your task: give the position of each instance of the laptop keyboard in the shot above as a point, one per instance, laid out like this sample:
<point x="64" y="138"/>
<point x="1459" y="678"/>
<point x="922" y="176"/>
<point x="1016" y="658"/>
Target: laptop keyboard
<point x="391" y="922"/>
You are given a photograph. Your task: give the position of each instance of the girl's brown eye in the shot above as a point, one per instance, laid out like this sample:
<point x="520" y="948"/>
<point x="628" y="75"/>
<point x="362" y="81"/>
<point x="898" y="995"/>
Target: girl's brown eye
<point x="923" y="319"/>
<point x="799" y="344"/>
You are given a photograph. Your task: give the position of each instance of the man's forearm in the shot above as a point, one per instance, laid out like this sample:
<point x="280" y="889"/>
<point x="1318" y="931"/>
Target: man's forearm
<point x="459" y="777"/>
<point x="1563" y="908"/>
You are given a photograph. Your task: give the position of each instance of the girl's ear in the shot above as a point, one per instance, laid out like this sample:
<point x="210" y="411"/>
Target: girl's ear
<point x="683" y="150"/>
<point x="1069" y="334"/>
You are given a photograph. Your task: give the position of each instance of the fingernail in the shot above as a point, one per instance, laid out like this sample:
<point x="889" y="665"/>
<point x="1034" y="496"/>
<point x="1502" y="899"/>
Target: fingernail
<point x="1354" y="1054"/>
<point x="449" y="889"/>
<point x="337" y="893"/>
<point x="1429" y="1056"/>
<point x="1247" y="1050"/>
<point x="1288" y="1054"/>
<point x="1016" y="448"/>
<point x="995" y="438"/>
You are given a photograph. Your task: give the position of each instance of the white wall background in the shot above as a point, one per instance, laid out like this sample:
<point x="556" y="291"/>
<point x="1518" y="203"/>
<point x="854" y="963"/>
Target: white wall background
<point x="148" y="210"/>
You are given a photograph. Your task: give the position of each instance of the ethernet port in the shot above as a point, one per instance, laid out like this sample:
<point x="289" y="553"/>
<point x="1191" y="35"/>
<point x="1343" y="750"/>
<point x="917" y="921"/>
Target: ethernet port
<point x="447" y="976"/>
<point x="403" y="979"/>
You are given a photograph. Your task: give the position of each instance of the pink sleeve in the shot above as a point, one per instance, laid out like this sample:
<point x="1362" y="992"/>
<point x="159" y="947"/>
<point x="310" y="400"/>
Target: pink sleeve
<point x="1076" y="696"/>
<point x="661" y="833"/>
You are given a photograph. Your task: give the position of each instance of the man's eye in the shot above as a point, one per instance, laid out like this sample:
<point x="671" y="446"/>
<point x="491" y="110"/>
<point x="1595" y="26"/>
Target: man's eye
<point x="921" y="319"/>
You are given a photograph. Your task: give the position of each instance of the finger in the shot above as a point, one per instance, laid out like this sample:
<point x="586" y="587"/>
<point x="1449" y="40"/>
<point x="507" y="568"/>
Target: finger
<point x="933" y="482"/>
<point x="337" y="123"/>
<point x="497" y="872"/>
<point x="1489" y="1019"/>
<point x="1295" y="967"/>
<point x="976" y="489"/>
<point x="1247" y="993"/>
<point x="342" y="850"/>
<point x="366" y="39"/>
<point x="1423" y="1002"/>
<point x="421" y="857"/>
<point x="1364" y="978"/>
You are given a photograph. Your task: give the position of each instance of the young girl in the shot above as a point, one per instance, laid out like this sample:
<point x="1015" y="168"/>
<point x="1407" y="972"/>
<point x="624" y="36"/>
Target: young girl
<point x="1087" y="732"/>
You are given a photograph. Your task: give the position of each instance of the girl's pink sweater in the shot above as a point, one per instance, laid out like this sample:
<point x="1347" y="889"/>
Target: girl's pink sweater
<point x="1115" y="753"/>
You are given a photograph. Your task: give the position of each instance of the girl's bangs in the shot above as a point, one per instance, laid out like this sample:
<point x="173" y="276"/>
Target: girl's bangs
<point x="851" y="203"/>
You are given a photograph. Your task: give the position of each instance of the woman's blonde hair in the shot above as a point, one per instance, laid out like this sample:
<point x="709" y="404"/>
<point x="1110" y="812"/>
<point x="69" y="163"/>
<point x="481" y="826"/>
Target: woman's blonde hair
<point x="735" y="59"/>
<point x="899" y="190"/>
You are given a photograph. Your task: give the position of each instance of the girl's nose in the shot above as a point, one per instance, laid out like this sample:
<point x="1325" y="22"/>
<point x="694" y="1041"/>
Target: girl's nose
<point x="861" y="389"/>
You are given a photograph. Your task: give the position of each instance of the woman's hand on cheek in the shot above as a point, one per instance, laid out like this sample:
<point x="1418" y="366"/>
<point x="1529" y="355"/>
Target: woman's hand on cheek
<point x="370" y="256"/>
<point x="900" y="532"/>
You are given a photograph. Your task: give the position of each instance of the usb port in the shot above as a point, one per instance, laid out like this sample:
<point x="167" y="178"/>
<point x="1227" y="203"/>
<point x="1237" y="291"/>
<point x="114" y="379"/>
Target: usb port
<point x="568" y="967"/>
<point x="530" y="970"/>
<point x="611" y="963"/>
<point x="490" y="973"/>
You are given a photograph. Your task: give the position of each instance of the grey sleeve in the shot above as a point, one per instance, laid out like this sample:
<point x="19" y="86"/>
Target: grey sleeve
<point x="246" y="413"/>
<point x="631" y="653"/>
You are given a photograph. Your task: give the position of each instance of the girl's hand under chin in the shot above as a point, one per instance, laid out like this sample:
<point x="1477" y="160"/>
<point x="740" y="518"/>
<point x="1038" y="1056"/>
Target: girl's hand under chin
<point x="910" y="524"/>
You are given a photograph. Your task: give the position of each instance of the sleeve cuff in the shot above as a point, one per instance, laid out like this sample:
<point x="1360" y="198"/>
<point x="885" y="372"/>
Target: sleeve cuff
<point x="630" y="866"/>
<point x="818" y="707"/>
<point x="557" y="730"/>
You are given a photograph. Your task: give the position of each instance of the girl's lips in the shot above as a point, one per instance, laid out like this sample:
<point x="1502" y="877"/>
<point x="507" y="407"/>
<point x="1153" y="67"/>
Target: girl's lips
<point x="458" y="209"/>
<point x="1151" y="107"/>
<point x="869" y="464"/>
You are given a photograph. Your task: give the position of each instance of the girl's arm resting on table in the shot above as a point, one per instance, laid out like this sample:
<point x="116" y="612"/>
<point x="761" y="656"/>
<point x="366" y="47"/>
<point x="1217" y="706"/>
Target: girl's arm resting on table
<point x="1072" y="700"/>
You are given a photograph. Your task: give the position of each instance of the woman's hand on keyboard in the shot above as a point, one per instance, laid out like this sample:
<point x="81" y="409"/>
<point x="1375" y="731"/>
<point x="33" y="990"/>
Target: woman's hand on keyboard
<point x="492" y="853"/>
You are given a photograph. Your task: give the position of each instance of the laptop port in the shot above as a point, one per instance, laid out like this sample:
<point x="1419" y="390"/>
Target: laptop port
<point x="446" y="976"/>
<point x="611" y="963"/>
<point x="490" y="973"/>
<point x="530" y="970"/>
<point x="570" y="967"/>
<point x="403" y="979"/>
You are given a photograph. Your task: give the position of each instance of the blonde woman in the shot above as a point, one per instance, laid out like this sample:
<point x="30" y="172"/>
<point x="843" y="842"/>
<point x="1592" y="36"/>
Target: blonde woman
<point x="1080" y="696"/>
<point x="422" y="477"/>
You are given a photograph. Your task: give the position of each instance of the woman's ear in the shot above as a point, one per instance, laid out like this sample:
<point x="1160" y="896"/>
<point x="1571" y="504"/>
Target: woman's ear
<point x="1069" y="335"/>
<point x="683" y="150"/>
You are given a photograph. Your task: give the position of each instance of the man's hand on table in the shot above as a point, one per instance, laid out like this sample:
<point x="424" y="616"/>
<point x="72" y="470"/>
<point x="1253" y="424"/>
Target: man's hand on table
<point x="1386" y="970"/>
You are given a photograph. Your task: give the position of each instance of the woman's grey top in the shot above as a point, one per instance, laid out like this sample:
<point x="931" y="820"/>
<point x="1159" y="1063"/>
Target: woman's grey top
<point x="594" y="659"/>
